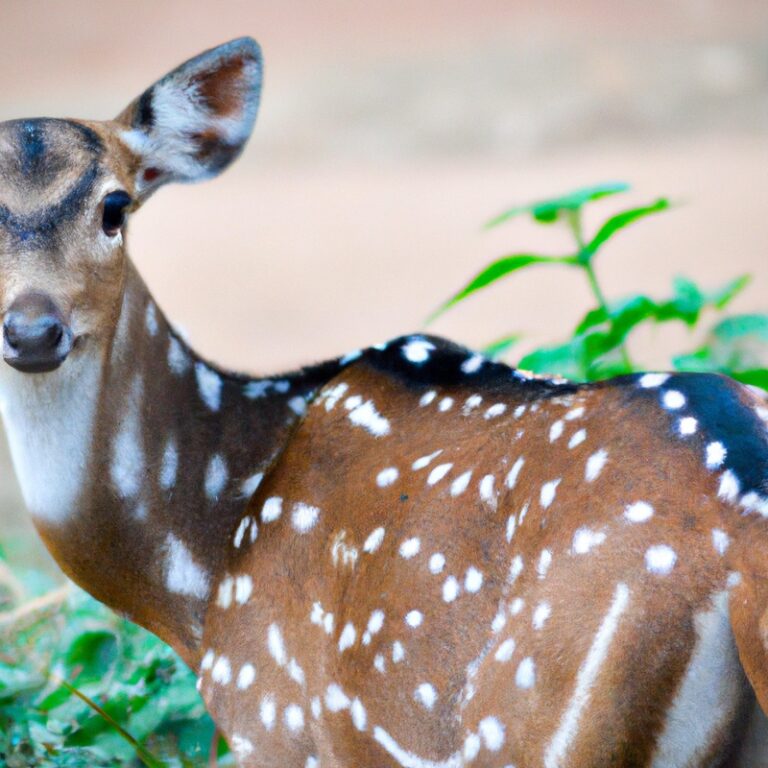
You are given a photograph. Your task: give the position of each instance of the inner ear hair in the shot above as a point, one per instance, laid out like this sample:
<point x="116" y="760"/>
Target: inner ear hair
<point x="195" y="121"/>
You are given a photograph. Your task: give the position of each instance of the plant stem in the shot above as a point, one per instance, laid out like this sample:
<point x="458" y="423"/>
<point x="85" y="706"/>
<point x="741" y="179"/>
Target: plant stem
<point x="574" y="223"/>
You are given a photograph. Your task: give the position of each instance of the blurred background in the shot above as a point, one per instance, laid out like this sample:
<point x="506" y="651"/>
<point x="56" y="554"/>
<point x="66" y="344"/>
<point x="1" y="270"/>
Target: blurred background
<point x="390" y="132"/>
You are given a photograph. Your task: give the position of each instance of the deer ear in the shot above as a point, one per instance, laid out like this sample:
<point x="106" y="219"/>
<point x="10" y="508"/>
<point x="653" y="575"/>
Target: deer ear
<point x="193" y="123"/>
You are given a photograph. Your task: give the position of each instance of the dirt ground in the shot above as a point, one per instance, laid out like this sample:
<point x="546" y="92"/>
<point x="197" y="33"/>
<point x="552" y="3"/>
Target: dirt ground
<point x="389" y="132"/>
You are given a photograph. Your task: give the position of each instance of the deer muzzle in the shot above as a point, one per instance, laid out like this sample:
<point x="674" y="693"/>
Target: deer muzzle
<point x="36" y="339"/>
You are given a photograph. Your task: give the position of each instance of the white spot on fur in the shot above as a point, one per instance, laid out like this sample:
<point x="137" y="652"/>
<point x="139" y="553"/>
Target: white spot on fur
<point x="660" y="559"/>
<point x="525" y="676"/>
<point x="127" y="465"/>
<point x="426" y="695"/>
<point x="359" y="715"/>
<point x="417" y="350"/>
<point x="438" y="473"/>
<point x="511" y="525"/>
<point x="585" y="540"/>
<point x="246" y="676"/>
<point x="426" y="460"/>
<point x="505" y="651"/>
<point x="251" y="484"/>
<point x="495" y="410"/>
<point x="207" y="661"/>
<point x="276" y="646"/>
<point x="548" y="491"/>
<point x="209" y="385"/>
<point x="243" y="589"/>
<point x="224" y="594"/>
<point x="436" y="563"/>
<point x="720" y="541"/>
<point x="216" y="476"/>
<point x="730" y="487"/>
<point x="335" y="698"/>
<point x="414" y="618"/>
<point x="540" y="615"/>
<point x="272" y="509"/>
<point x="687" y="426"/>
<point x="516" y="606"/>
<point x="556" y="431"/>
<point x="347" y="637"/>
<point x="545" y="560"/>
<point x="716" y="455"/>
<point x="639" y="512"/>
<point x="473" y="580"/>
<point x="178" y="359"/>
<point x="294" y="718"/>
<point x="304" y="517"/>
<point x="472" y="364"/>
<point x="451" y="589"/>
<point x="387" y="477"/>
<point x="653" y="380"/>
<point x="514" y="473"/>
<point x="427" y="398"/>
<point x="268" y="712"/>
<point x="150" y="318"/>
<point x="373" y="542"/>
<point x="398" y="652"/>
<point x="182" y="574"/>
<point x="577" y="438"/>
<point x="487" y="490"/>
<point x="222" y="671"/>
<point x="459" y="485"/>
<point x="241" y="746"/>
<point x="367" y="417"/>
<point x="673" y="400"/>
<point x="515" y="569"/>
<point x="472" y="746"/>
<point x="492" y="733"/>
<point x="445" y="404"/>
<point x="595" y="464"/>
<point x="169" y="465"/>
<point x="410" y="548"/>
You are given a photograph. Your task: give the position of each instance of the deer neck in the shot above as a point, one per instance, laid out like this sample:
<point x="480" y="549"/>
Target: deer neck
<point x="136" y="461"/>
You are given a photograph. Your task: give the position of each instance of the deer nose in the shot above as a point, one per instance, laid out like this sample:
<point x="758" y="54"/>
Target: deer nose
<point x="35" y="337"/>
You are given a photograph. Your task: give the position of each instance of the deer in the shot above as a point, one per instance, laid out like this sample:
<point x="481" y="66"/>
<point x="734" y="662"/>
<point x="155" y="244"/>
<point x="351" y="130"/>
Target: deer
<point x="409" y="556"/>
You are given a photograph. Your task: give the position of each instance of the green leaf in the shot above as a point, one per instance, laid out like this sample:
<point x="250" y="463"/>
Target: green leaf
<point x="620" y="221"/>
<point x="495" y="271"/>
<point x="755" y="378"/>
<point x="548" y="211"/>
<point x="741" y="326"/>
<point x="721" y="298"/>
<point x="497" y="348"/>
<point x="564" y="359"/>
<point x="92" y="655"/>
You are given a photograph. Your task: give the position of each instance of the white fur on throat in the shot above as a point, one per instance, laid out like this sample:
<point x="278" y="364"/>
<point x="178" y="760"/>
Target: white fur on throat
<point x="49" y="419"/>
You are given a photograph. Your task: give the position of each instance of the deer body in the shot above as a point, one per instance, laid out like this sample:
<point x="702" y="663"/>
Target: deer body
<point x="411" y="556"/>
<point x="488" y="584"/>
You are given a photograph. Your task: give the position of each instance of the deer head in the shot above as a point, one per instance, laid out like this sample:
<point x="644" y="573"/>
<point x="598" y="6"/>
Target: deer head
<point x="68" y="187"/>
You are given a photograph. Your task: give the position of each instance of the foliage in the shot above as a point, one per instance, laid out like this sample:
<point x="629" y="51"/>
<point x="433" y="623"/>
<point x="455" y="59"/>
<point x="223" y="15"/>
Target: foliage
<point x="598" y="346"/>
<point x="80" y="686"/>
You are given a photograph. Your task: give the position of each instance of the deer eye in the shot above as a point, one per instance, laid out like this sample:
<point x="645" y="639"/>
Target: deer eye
<point x="113" y="217"/>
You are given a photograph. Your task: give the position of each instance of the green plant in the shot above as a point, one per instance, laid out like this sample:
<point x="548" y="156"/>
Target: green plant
<point x="80" y="686"/>
<point x="597" y="347"/>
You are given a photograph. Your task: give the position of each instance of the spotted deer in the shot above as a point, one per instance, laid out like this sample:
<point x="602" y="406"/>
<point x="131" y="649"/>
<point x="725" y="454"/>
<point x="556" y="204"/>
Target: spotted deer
<point x="409" y="556"/>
